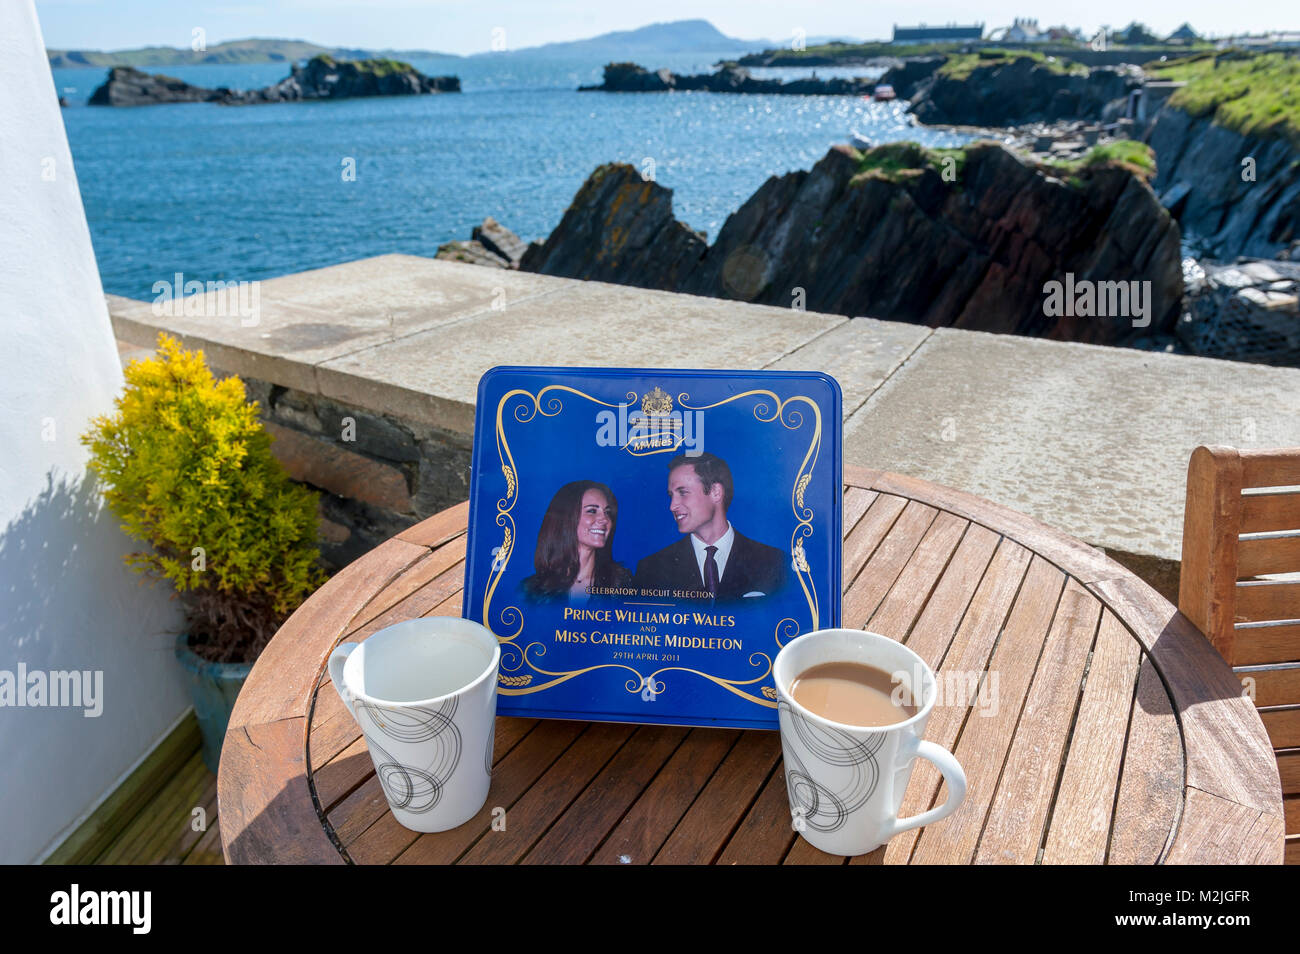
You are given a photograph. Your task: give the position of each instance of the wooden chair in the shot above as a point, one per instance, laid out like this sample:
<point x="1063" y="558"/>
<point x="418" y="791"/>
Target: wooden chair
<point x="1241" y="525"/>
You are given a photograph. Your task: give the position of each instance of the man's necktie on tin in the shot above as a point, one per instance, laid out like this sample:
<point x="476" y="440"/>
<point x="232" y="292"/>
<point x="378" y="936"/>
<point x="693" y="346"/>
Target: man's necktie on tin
<point x="711" y="572"/>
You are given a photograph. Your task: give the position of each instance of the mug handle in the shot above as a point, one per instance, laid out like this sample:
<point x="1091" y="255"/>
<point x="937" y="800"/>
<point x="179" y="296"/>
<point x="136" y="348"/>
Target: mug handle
<point x="953" y="774"/>
<point x="337" y="658"/>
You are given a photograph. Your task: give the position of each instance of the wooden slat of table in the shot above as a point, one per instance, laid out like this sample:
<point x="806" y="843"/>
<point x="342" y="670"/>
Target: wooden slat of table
<point x="439" y="528"/>
<point x="880" y="571"/>
<point x="978" y="555"/>
<point x="1018" y="816"/>
<point x="385" y="839"/>
<point x="574" y="837"/>
<point x="422" y="602"/>
<point x="856" y="502"/>
<point x="342" y="775"/>
<point x="765" y="834"/>
<point x="286" y="828"/>
<point x="646" y="826"/>
<point x="420" y="574"/>
<point x="1151" y="778"/>
<point x="862" y="540"/>
<point x="988" y="729"/>
<point x="910" y="592"/>
<point x="512" y="777"/>
<point x="533" y="814"/>
<point x="968" y="652"/>
<point x="987" y="733"/>
<point x="707" y="826"/>
<point x="1218" y="831"/>
<point x="1079" y="829"/>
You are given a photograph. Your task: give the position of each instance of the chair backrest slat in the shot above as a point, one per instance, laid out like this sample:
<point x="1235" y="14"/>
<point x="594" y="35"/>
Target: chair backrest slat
<point x="1265" y="513"/>
<point x="1270" y="468"/>
<point x="1262" y="600"/>
<point x="1257" y="556"/>
<point x="1257" y="644"/>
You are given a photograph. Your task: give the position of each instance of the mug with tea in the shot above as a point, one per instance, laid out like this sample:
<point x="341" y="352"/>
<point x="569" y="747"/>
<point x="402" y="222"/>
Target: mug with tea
<point x="424" y="693"/>
<point x="853" y="708"/>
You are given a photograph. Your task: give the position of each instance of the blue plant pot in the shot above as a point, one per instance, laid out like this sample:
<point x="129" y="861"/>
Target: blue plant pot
<point x="214" y="688"/>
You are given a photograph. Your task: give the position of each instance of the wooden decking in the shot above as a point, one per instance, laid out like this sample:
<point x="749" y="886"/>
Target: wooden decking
<point x="166" y="830"/>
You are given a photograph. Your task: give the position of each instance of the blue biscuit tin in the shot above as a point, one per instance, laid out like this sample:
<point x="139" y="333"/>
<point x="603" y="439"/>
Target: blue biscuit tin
<point x="644" y="542"/>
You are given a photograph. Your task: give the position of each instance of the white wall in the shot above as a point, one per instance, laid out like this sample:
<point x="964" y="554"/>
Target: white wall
<point x="66" y="600"/>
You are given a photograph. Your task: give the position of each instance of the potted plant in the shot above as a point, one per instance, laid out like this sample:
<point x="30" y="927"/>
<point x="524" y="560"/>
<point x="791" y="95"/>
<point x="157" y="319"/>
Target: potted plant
<point x="186" y="465"/>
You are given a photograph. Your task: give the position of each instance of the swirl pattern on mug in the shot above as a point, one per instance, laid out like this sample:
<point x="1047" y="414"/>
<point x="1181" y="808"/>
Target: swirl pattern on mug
<point x="820" y="807"/>
<point x="412" y="788"/>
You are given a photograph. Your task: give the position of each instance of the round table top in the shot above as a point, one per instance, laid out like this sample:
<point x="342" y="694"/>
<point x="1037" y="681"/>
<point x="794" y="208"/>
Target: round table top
<point x="1104" y="728"/>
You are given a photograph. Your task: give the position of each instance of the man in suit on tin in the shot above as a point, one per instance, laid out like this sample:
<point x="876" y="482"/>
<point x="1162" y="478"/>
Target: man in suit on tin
<point x="712" y="558"/>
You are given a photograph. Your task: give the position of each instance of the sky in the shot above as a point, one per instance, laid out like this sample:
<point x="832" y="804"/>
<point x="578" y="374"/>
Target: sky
<point x="454" y="26"/>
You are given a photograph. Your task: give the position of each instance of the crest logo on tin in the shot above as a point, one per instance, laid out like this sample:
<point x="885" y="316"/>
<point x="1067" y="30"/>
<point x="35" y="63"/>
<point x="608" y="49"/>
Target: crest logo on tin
<point x="657" y="402"/>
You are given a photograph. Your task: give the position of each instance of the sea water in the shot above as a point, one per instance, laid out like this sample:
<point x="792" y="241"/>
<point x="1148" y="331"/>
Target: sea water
<point x="223" y="193"/>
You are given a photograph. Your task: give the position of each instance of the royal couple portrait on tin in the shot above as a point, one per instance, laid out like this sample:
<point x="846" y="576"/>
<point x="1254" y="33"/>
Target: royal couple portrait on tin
<point x="711" y="561"/>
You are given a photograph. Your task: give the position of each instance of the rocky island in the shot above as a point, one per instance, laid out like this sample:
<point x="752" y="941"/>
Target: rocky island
<point x="728" y="78"/>
<point x="322" y="77"/>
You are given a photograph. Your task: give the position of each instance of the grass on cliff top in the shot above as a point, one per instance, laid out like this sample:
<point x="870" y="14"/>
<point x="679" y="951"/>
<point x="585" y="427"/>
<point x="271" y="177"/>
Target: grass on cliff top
<point x="1137" y="157"/>
<point x="1255" y="95"/>
<point x="961" y="65"/>
<point x="896" y="161"/>
<point x="379" y="66"/>
<point x="899" y="161"/>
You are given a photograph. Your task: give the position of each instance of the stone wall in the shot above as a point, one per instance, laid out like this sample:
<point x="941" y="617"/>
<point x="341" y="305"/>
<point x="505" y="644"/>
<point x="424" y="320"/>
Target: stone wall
<point x="377" y="473"/>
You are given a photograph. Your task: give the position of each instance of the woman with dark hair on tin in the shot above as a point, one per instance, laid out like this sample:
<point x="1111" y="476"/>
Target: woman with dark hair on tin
<point x="575" y="545"/>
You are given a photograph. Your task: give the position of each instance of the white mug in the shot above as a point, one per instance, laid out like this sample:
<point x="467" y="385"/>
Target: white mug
<point x="846" y="782"/>
<point x="424" y="693"/>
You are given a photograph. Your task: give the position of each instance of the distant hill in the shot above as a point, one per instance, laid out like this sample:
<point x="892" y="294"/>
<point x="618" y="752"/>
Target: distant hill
<point x="254" y="50"/>
<point x="647" y="42"/>
<point x="679" y="36"/>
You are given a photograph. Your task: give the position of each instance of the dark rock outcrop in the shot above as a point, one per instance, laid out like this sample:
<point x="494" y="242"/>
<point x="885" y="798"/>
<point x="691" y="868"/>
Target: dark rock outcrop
<point x="1233" y="194"/>
<point x="906" y="77"/>
<point x="1021" y="90"/>
<point x="729" y="78"/>
<point x="321" y="78"/>
<point x="851" y="238"/>
<point x="620" y="228"/>
<point x="490" y="244"/>
<point x="127" y="86"/>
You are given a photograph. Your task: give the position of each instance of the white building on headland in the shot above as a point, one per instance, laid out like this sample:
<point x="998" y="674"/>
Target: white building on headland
<point x="1025" y="30"/>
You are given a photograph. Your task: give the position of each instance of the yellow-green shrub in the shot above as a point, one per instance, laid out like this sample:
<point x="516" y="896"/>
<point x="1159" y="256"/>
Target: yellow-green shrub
<point x="185" y="463"/>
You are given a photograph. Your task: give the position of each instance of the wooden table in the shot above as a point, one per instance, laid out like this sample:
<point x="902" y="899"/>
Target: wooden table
<point x="1120" y="735"/>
